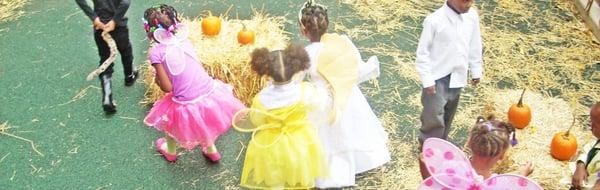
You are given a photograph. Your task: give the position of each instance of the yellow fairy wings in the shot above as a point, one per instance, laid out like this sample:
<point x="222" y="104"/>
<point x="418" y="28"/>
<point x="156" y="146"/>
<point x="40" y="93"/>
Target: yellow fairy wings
<point x="338" y="64"/>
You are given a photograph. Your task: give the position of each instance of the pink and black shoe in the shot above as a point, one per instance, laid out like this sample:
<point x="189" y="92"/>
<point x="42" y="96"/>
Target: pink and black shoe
<point x="159" y="147"/>
<point x="214" y="157"/>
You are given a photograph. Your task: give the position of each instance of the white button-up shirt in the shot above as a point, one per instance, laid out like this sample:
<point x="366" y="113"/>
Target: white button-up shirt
<point x="450" y="43"/>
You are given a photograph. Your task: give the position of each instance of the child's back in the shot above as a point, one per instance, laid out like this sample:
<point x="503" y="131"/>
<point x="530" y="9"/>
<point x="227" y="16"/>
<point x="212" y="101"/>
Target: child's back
<point x="192" y="81"/>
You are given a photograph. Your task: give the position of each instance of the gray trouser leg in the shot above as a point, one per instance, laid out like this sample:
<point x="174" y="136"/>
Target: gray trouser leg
<point x="438" y="110"/>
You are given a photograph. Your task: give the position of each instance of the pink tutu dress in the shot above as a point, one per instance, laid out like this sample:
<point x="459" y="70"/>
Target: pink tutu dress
<point x="199" y="109"/>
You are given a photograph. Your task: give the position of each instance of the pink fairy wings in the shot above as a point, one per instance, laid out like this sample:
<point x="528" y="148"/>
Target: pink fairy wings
<point x="450" y="169"/>
<point x="177" y="52"/>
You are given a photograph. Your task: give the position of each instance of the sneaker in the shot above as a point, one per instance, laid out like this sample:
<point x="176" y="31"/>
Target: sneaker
<point x="130" y="79"/>
<point x="107" y="102"/>
<point x="160" y="143"/>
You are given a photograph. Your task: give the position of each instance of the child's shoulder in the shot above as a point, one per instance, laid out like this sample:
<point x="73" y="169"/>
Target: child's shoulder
<point x="156" y="53"/>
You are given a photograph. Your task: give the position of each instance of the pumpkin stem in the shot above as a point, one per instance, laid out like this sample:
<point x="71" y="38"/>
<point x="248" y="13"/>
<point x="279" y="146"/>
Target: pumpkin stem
<point x="572" y="124"/>
<point x="520" y="104"/>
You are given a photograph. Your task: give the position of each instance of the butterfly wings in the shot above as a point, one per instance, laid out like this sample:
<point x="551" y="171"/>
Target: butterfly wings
<point x="450" y="169"/>
<point x="178" y="50"/>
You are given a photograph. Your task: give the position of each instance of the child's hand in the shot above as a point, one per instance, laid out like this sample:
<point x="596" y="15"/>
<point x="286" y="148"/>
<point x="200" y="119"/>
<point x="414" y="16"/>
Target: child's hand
<point x="430" y="90"/>
<point x="98" y="25"/>
<point x="579" y="176"/>
<point x="475" y="82"/>
<point x="527" y="169"/>
<point x="110" y="26"/>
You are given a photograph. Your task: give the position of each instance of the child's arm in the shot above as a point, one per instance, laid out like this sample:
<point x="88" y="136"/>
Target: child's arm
<point x="87" y="9"/>
<point x="161" y="78"/>
<point x="476" y="53"/>
<point x="90" y="13"/>
<point x="580" y="175"/>
<point x="527" y="169"/>
<point x="119" y="14"/>
<point x="423" y="61"/>
<point x="121" y="10"/>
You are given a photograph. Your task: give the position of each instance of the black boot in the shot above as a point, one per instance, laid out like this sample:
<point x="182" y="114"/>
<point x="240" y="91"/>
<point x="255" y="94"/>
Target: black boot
<point x="130" y="79"/>
<point x="107" y="101"/>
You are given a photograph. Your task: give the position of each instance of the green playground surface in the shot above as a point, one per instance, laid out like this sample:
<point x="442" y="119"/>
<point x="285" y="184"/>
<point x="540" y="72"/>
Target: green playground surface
<point x="45" y="98"/>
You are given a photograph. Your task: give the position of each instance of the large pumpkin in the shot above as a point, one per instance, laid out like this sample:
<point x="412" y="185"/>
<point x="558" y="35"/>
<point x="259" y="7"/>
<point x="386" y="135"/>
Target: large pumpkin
<point x="246" y="36"/>
<point x="211" y="25"/>
<point x="519" y="115"/>
<point x="564" y="145"/>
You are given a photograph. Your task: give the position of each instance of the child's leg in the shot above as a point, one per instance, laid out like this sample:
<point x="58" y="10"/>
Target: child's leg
<point x="106" y="76"/>
<point x="171" y="145"/>
<point x="211" y="149"/>
<point x="211" y="152"/>
<point x="121" y="36"/>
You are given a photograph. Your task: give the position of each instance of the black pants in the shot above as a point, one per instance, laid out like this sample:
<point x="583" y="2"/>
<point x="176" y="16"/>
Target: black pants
<point x="121" y="37"/>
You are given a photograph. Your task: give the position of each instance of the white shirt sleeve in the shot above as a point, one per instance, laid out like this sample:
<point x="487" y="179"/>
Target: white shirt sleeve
<point x="476" y="51"/>
<point x="423" y="62"/>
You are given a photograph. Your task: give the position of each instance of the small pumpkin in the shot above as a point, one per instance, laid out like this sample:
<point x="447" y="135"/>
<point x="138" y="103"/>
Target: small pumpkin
<point x="519" y="115"/>
<point x="564" y="145"/>
<point x="211" y="25"/>
<point x="246" y="36"/>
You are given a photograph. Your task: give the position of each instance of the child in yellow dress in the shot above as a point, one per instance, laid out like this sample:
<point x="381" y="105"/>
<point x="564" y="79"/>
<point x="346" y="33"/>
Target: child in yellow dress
<point x="284" y="152"/>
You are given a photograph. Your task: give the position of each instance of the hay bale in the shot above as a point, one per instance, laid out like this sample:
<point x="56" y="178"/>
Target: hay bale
<point x="224" y="58"/>
<point x="11" y="9"/>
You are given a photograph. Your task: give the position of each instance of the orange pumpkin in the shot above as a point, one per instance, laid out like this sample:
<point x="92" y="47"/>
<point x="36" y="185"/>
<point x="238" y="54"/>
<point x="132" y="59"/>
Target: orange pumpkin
<point x="564" y="145"/>
<point x="246" y="36"/>
<point x="519" y="115"/>
<point x="211" y="25"/>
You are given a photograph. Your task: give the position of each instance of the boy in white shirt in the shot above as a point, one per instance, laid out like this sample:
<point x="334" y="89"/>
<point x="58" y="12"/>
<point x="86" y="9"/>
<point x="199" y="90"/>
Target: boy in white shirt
<point x="449" y="46"/>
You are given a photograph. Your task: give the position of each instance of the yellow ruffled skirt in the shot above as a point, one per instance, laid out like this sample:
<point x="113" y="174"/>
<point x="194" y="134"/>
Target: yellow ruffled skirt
<point x="283" y="158"/>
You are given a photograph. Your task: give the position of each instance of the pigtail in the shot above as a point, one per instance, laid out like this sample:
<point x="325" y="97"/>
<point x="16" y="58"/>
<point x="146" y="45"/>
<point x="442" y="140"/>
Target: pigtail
<point x="260" y="62"/>
<point x="296" y="59"/>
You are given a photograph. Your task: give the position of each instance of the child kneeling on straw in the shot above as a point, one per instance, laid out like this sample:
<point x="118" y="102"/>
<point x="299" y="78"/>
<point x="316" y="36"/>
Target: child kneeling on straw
<point x="587" y="168"/>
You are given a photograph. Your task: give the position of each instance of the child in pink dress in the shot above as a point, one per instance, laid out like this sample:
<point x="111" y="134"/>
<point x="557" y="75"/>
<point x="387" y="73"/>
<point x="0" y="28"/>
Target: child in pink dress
<point x="197" y="109"/>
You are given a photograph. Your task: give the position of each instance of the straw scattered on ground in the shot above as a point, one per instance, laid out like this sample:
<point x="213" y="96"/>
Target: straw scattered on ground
<point x="11" y="9"/>
<point x="4" y="130"/>
<point x="539" y="45"/>
<point x="225" y="59"/>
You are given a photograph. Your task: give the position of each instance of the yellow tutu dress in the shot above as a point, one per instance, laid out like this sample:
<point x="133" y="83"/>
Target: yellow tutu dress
<point x="284" y="152"/>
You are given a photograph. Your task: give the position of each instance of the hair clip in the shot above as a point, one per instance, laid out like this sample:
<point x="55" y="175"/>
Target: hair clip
<point x="146" y="25"/>
<point x="489" y="126"/>
<point x="514" y="141"/>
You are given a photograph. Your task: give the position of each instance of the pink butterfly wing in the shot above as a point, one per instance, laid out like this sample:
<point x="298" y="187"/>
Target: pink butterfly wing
<point x="511" y="182"/>
<point x="430" y="184"/>
<point x="447" y="164"/>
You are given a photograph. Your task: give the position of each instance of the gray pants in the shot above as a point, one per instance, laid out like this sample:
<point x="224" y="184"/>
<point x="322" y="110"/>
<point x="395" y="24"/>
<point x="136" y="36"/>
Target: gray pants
<point x="438" y="110"/>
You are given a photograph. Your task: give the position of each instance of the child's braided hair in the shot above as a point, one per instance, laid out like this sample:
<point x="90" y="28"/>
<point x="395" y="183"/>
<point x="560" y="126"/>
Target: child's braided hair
<point x="280" y="65"/>
<point x="160" y="16"/>
<point x="313" y="17"/>
<point x="490" y="138"/>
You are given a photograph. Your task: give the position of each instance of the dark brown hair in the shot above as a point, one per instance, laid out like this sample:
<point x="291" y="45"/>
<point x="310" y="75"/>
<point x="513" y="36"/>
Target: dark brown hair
<point x="490" y="138"/>
<point x="315" y="20"/>
<point x="160" y="16"/>
<point x="280" y="65"/>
